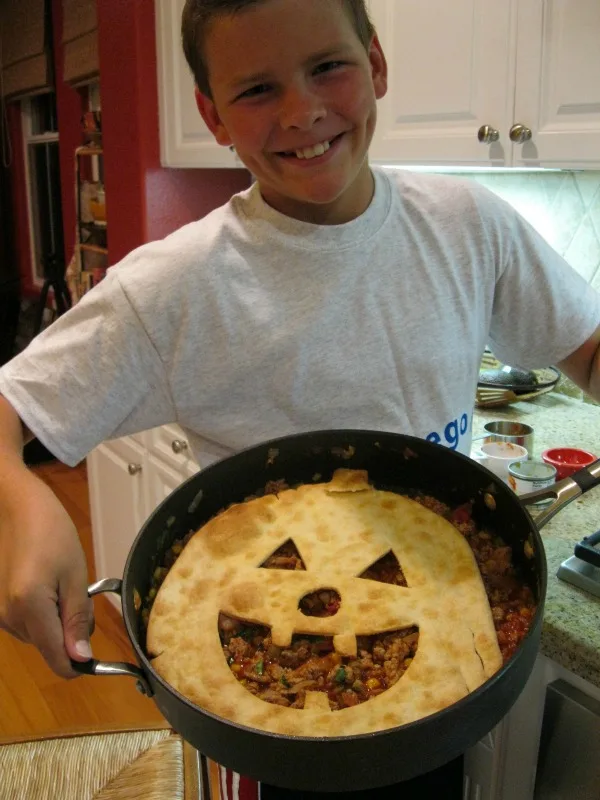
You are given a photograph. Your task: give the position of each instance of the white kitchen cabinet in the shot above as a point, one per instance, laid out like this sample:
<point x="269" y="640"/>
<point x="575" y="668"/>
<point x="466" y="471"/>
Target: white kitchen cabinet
<point x="118" y="503"/>
<point x="168" y="443"/>
<point x="451" y="72"/>
<point x="163" y="479"/>
<point x="185" y="141"/>
<point x="455" y="67"/>
<point x="128" y="478"/>
<point x="558" y="83"/>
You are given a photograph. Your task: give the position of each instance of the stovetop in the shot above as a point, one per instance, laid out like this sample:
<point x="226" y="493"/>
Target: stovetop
<point x="583" y="568"/>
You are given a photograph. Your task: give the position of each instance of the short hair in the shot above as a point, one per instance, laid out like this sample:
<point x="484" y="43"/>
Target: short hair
<point x="198" y="14"/>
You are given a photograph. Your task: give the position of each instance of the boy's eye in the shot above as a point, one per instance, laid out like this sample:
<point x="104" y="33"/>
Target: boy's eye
<point x="254" y="91"/>
<point x="327" y="66"/>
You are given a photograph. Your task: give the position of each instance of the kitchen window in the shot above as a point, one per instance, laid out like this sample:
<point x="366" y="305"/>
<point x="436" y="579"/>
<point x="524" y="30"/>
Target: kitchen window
<point x="42" y="170"/>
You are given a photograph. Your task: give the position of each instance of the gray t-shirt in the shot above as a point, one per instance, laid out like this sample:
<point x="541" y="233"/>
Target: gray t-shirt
<point x="248" y="325"/>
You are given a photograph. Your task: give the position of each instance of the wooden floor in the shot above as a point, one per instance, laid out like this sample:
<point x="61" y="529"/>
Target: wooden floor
<point x="33" y="700"/>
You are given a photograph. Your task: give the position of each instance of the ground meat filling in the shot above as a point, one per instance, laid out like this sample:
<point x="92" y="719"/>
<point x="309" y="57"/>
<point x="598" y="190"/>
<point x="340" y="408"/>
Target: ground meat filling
<point x="285" y="557"/>
<point x="511" y="600"/>
<point x="284" y="675"/>
<point x="386" y="570"/>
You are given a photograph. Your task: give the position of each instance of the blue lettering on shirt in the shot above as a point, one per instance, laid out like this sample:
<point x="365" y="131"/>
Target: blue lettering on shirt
<point x="452" y="433"/>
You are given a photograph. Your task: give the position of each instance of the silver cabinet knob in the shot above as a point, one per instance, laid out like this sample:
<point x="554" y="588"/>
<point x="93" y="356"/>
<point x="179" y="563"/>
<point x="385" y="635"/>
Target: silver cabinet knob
<point x="519" y="134"/>
<point x="486" y="134"/>
<point x="133" y="469"/>
<point x="179" y="445"/>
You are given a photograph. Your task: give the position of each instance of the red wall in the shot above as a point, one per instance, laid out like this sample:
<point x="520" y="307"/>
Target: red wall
<point x="143" y="200"/>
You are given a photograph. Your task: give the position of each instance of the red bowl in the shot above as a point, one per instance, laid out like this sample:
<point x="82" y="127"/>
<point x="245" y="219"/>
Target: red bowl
<point x="567" y="460"/>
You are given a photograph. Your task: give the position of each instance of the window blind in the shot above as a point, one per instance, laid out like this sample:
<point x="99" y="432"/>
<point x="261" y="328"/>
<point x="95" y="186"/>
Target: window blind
<point x="25" y="48"/>
<point x="80" y="41"/>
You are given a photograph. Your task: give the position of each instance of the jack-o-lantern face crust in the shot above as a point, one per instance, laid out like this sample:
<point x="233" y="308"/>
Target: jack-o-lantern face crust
<point x="340" y="528"/>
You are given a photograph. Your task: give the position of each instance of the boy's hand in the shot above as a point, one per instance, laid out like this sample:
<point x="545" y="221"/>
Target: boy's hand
<point x="43" y="573"/>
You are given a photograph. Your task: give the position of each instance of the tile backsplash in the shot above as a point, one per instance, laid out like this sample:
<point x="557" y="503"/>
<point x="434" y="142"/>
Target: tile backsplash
<point x="565" y="208"/>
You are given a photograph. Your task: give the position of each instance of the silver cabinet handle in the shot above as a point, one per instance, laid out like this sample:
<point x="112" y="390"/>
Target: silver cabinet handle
<point x="133" y="469"/>
<point x="519" y="134"/>
<point x="486" y="134"/>
<point x="179" y="445"/>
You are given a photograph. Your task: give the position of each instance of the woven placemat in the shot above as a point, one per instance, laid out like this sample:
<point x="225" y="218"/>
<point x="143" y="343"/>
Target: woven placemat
<point x="134" y="765"/>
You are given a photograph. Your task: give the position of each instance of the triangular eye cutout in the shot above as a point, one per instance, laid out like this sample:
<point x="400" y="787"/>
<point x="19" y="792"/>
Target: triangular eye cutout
<point x="387" y="569"/>
<point x="285" y="557"/>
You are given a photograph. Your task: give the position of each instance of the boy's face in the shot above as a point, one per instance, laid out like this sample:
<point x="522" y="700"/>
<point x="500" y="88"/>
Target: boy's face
<point x="295" y="92"/>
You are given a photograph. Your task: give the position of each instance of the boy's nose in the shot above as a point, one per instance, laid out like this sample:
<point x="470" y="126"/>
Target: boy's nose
<point x="301" y="109"/>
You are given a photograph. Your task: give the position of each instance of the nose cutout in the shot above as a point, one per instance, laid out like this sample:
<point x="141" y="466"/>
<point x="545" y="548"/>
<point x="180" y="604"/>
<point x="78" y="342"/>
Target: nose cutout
<point x="323" y="603"/>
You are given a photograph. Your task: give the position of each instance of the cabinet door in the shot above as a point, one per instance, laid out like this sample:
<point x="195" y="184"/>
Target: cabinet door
<point x="164" y="479"/>
<point x="451" y="72"/>
<point x="185" y="141"/>
<point x="558" y="83"/>
<point x="118" y="501"/>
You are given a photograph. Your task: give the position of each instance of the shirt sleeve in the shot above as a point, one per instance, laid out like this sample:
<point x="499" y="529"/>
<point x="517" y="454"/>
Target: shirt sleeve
<point x="543" y="310"/>
<point x="92" y="375"/>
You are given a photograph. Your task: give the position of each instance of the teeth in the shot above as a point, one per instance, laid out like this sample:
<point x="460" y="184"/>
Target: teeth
<point x="313" y="152"/>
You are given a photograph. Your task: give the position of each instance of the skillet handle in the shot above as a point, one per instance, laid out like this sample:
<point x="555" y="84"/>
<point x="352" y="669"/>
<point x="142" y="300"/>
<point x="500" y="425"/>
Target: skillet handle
<point x="588" y="477"/>
<point x="95" y="667"/>
<point x="563" y="492"/>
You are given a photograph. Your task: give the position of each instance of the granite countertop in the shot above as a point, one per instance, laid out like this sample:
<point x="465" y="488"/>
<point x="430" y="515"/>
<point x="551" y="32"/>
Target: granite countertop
<point x="571" y="631"/>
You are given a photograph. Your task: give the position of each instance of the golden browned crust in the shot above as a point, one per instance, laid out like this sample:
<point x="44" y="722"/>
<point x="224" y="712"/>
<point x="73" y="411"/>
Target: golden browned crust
<point x="340" y="528"/>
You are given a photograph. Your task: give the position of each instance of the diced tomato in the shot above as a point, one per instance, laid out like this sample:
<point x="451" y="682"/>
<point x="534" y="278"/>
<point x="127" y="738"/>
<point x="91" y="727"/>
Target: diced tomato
<point x="512" y="632"/>
<point x="462" y="514"/>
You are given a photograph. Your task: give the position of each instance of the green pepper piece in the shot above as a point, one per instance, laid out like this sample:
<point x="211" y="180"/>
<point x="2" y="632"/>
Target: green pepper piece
<point x="259" y="667"/>
<point x="285" y="682"/>
<point x="340" y="675"/>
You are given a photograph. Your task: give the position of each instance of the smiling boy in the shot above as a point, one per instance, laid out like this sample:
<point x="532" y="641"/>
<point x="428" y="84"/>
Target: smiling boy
<point x="298" y="104"/>
<point x="328" y="295"/>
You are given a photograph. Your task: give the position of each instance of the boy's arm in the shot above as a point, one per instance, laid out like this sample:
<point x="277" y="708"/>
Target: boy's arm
<point x="14" y="433"/>
<point x="43" y="573"/>
<point x="583" y="366"/>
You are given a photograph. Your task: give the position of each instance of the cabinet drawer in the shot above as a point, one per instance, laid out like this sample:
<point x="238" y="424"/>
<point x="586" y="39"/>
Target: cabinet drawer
<point x="170" y="444"/>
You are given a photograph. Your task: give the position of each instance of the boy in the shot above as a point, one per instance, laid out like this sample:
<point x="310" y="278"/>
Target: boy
<point x="327" y="295"/>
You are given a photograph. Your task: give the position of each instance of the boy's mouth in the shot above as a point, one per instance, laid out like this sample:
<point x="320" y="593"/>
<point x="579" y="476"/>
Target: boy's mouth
<point x="308" y="153"/>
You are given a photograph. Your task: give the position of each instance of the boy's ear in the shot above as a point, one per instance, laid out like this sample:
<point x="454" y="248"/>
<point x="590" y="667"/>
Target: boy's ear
<point x="210" y="115"/>
<point x="379" y="69"/>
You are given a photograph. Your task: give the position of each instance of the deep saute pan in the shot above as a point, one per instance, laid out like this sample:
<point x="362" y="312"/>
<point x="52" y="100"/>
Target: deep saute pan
<point x="394" y="462"/>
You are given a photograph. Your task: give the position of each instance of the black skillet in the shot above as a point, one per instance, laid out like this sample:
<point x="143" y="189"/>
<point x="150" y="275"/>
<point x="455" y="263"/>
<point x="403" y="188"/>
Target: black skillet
<point x="395" y="462"/>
